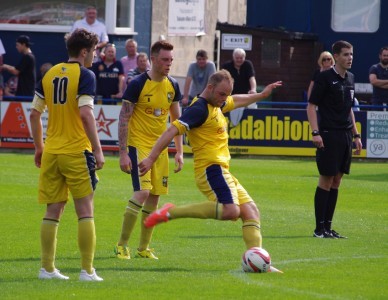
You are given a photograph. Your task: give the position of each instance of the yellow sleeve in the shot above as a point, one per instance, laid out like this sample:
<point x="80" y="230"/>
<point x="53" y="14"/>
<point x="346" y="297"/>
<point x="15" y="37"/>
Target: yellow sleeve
<point x="229" y="104"/>
<point x="39" y="104"/>
<point x="180" y="126"/>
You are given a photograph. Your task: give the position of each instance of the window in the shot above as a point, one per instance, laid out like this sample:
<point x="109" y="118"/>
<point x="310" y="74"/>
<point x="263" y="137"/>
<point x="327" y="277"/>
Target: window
<point x="355" y="15"/>
<point x="59" y="16"/>
<point x="270" y="53"/>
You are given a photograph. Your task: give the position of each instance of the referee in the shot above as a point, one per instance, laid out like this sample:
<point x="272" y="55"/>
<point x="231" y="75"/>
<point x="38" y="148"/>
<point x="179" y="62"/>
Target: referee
<point x="333" y="126"/>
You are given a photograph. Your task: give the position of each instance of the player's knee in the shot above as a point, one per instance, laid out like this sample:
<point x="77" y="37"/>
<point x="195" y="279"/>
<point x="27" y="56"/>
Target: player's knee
<point x="141" y="196"/>
<point x="230" y="212"/>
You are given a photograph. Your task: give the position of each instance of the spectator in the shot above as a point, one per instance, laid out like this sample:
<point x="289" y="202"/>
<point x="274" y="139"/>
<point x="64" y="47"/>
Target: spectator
<point x="142" y="66"/>
<point x="43" y="69"/>
<point x="109" y="75"/>
<point x="11" y="86"/>
<point x="197" y="77"/>
<point x="243" y="74"/>
<point x="91" y="23"/>
<point x="25" y="70"/>
<point x="378" y="77"/>
<point x="325" y="62"/>
<point x="2" y="52"/>
<point x="129" y="61"/>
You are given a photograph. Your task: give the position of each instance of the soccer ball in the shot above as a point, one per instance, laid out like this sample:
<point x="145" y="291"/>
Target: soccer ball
<point x="256" y="260"/>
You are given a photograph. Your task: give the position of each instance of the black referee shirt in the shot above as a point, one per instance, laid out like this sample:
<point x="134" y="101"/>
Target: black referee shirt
<point x="334" y="97"/>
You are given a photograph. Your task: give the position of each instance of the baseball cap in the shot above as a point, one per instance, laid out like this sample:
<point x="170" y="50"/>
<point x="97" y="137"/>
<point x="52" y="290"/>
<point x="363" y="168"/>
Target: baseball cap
<point x="24" y="39"/>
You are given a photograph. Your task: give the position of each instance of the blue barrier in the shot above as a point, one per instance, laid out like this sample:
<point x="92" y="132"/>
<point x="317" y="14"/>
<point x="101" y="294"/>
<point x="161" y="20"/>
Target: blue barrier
<point x="304" y="105"/>
<point x="286" y="104"/>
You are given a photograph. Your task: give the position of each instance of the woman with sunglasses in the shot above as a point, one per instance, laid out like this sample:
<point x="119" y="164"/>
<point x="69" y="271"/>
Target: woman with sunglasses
<point x="325" y="62"/>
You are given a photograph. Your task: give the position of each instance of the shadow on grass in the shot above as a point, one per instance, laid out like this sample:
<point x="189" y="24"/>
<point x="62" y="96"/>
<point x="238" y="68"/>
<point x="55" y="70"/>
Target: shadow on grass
<point x="210" y="236"/>
<point x="369" y="177"/>
<point x="240" y="237"/>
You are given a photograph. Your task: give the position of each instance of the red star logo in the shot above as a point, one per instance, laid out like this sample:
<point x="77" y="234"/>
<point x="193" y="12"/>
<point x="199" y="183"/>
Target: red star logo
<point x="103" y="123"/>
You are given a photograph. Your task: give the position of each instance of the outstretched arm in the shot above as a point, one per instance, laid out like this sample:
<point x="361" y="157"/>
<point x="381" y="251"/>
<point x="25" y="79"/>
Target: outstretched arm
<point x="164" y="140"/>
<point x="242" y="100"/>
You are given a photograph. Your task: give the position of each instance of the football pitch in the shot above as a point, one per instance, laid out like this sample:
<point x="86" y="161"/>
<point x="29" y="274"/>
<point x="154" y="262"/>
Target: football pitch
<point x="200" y="259"/>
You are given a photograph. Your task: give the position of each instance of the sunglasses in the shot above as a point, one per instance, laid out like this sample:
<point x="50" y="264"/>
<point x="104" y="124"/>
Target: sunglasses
<point x="326" y="59"/>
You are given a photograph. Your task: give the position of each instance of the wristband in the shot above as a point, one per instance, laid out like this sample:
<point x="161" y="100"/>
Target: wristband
<point x="315" y="133"/>
<point x="357" y="135"/>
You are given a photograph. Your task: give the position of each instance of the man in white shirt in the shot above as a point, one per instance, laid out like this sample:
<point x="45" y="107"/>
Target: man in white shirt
<point x="90" y="23"/>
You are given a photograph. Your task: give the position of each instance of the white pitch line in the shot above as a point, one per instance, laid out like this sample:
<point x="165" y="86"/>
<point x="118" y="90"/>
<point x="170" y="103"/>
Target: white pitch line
<point x="291" y="261"/>
<point x="240" y="274"/>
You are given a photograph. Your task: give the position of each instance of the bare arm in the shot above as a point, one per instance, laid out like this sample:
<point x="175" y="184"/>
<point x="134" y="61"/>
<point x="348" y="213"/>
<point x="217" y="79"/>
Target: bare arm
<point x="10" y="69"/>
<point x="378" y="82"/>
<point x="125" y="114"/>
<point x="165" y="139"/>
<point x="175" y="114"/>
<point x="252" y="83"/>
<point x="313" y="120"/>
<point x="311" y="85"/>
<point x="37" y="135"/>
<point x="242" y="100"/>
<point x="185" y="99"/>
<point x="89" y="123"/>
<point x="121" y="87"/>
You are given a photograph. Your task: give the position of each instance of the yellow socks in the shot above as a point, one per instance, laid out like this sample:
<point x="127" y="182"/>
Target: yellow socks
<point x="48" y="240"/>
<point x="87" y="243"/>
<point x="251" y="233"/>
<point x="204" y="210"/>
<point x="130" y="217"/>
<point x="145" y="233"/>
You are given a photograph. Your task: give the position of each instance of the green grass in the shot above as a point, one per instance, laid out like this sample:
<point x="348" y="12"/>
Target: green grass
<point x="200" y="259"/>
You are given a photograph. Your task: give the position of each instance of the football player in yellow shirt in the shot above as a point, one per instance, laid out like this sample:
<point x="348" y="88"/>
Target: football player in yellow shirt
<point x="148" y="101"/>
<point x="206" y="126"/>
<point x="71" y="153"/>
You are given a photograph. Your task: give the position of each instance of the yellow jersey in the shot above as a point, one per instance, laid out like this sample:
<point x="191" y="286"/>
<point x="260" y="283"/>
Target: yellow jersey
<point x="207" y="131"/>
<point x="60" y="90"/>
<point x="152" y="104"/>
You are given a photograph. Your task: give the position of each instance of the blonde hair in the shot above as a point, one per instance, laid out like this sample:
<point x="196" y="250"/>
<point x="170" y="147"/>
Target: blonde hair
<point x="322" y="56"/>
<point x="220" y="76"/>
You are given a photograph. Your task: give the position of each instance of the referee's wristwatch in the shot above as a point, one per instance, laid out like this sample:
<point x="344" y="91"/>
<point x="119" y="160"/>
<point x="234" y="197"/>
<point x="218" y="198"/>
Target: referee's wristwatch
<point x="315" y="133"/>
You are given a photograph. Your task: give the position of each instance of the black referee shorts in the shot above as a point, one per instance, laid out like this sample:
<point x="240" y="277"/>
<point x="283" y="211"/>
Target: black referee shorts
<point x="336" y="156"/>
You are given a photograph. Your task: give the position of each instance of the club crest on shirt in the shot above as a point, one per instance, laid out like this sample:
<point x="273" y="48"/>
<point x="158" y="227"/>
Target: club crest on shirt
<point x="169" y="97"/>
